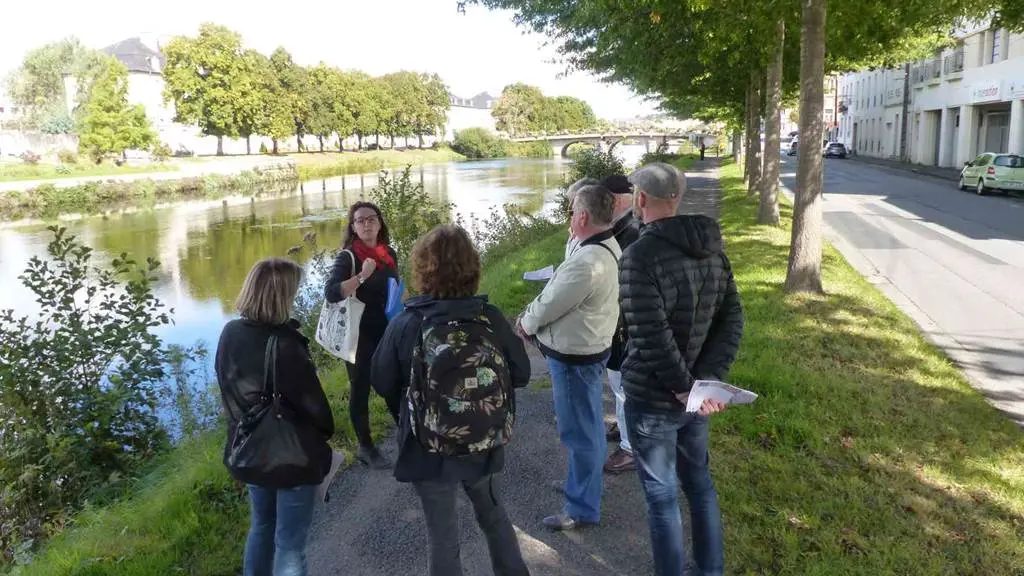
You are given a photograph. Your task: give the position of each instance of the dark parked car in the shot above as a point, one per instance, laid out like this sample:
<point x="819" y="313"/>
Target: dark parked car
<point x="793" y="146"/>
<point x="835" y="150"/>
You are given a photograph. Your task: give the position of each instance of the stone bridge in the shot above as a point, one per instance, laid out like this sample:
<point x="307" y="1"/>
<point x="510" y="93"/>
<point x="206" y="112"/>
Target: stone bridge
<point x="560" y="143"/>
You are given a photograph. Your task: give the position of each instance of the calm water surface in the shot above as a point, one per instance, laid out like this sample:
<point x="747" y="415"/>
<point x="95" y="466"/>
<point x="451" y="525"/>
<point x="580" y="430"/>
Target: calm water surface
<point x="206" y="248"/>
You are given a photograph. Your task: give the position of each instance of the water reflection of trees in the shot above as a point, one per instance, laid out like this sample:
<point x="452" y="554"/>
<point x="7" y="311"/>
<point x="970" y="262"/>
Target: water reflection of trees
<point x="217" y="258"/>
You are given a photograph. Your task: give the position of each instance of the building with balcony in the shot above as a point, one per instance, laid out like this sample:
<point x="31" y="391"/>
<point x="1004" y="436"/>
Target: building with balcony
<point x="963" y="101"/>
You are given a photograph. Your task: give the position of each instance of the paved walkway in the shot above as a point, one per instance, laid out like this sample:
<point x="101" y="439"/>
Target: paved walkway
<point x="373" y="525"/>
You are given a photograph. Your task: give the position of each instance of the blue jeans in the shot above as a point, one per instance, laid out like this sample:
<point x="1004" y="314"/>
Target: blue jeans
<point x="280" y="521"/>
<point x="667" y="446"/>
<point x="580" y="412"/>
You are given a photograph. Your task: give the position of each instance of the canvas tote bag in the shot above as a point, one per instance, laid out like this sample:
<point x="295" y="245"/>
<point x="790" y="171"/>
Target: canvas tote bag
<point x="338" y="328"/>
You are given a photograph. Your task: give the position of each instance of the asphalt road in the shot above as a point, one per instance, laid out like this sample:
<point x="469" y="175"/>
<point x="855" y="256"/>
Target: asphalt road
<point x="373" y="525"/>
<point x="951" y="259"/>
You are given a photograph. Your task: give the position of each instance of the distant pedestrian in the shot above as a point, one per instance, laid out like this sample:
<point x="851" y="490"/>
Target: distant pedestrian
<point x="363" y="267"/>
<point x="451" y="362"/>
<point x="573" y="321"/>
<point x="685" y="323"/>
<point x="703" y="147"/>
<point x="626" y="229"/>
<point x="278" y="418"/>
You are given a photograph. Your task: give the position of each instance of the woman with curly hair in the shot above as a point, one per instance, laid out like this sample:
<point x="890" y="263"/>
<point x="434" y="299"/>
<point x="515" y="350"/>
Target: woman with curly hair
<point x="452" y="361"/>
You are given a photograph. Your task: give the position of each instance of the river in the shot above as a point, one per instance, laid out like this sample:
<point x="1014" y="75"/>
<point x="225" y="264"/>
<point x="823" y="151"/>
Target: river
<point x="206" y="248"/>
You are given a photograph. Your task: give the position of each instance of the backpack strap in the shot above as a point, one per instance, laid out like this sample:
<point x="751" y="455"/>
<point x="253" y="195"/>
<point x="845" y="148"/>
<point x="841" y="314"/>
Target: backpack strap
<point x="605" y="246"/>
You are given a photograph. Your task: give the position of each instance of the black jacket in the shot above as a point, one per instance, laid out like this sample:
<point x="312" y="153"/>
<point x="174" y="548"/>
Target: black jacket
<point x="240" y="373"/>
<point x="392" y="366"/>
<point x="626" y="231"/>
<point x="682" y="310"/>
<point x="373" y="293"/>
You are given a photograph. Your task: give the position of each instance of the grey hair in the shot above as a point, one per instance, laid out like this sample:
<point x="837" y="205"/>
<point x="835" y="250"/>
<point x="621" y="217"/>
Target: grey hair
<point x="598" y="202"/>
<point x="575" y="187"/>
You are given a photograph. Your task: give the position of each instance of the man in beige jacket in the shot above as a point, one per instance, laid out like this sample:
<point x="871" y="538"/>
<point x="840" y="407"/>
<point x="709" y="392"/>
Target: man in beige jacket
<point x="573" y="321"/>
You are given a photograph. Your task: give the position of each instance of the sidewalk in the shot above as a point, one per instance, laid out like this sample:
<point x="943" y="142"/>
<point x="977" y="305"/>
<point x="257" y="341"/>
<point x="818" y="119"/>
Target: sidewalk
<point x="933" y="171"/>
<point x="373" y="525"/>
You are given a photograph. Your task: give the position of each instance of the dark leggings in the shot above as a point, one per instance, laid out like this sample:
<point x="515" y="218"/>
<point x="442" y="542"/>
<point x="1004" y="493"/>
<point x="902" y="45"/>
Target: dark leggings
<point x="359" y="392"/>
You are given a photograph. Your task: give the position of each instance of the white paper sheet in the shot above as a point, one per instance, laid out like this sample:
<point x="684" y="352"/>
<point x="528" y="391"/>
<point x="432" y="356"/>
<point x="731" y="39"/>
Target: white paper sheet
<point x="542" y="275"/>
<point x="337" y="460"/>
<point x="720" y="391"/>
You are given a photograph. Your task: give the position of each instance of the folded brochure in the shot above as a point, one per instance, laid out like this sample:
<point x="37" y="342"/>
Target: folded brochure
<point x="720" y="391"/>
<point x="542" y="275"/>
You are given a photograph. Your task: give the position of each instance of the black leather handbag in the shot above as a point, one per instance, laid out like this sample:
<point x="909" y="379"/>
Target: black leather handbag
<point x="268" y="444"/>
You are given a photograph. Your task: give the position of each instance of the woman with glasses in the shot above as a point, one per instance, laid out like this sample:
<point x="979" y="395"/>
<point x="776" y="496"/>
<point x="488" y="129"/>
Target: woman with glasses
<point x="363" y="267"/>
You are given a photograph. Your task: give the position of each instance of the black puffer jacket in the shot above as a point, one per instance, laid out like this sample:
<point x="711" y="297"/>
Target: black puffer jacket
<point x="240" y="374"/>
<point x="681" y="307"/>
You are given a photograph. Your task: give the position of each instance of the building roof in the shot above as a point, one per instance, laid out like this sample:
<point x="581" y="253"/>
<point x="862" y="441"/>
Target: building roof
<point x="481" y="100"/>
<point x="136" y="56"/>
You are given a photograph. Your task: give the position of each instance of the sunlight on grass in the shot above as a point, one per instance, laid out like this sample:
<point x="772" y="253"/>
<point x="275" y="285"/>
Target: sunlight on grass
<point x="327" y="164"/>
<point x="868" y="452"/>
<point x="16" y="172"/>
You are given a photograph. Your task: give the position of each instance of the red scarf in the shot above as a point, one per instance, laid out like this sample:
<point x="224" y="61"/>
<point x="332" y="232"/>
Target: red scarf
<point x="379" y="253"/>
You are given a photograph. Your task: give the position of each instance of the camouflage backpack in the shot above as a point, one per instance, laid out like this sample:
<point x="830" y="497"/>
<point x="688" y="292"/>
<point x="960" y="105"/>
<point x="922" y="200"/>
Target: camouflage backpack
<point x="460" y="392"/>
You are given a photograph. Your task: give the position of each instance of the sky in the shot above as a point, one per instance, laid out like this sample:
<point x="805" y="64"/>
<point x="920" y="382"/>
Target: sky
<point x="479" y="51"/>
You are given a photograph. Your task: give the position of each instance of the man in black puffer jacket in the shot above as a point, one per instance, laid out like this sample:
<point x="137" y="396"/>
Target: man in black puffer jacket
<point x="685" y="322"/>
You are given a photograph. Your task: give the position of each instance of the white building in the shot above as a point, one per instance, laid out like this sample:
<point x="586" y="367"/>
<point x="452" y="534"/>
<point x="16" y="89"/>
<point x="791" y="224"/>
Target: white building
<point x="472" y="112"/>
<point x="966" y="100"/>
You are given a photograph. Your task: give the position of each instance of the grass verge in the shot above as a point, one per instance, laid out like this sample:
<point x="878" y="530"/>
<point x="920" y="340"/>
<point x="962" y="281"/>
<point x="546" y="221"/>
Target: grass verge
<point x="188" y="516"/>
<point x="17" y="172"/>
<point x="868" y="451"/>
<point x="49" y="201"/>
<point x="327" y="164"/>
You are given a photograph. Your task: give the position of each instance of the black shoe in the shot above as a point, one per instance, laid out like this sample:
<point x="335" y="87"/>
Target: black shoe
<point x="564" y="523"/>
<point x="613" y="434"/>
<point x="370" y="456"/>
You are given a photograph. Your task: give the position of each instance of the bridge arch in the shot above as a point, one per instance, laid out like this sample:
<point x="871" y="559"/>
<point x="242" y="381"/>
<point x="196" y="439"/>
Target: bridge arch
<point x="611" y="147"/>
<point x="595" y="142"/>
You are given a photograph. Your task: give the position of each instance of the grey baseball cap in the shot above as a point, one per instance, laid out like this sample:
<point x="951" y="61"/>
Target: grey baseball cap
<point x="659" y="180"/>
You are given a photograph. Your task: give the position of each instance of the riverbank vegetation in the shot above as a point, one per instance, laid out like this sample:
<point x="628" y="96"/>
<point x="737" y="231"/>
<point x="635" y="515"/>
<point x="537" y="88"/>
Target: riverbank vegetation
<point x="329" y="164"/>
<point x="523" y="109"/>
<point x="480" y="143"/>
<point x="50" y="201"/>
<point x="73" y="168"/>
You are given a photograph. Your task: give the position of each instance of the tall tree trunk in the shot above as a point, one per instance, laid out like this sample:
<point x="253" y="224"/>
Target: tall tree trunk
<point x="298" y="142"/>
<point x="768" y="212"/>
<point x="321" y="143"/>
<point x="748" y="131"/>
<point x="378" y="141"/>
<point x="420" y="137"/>
<point x="754" y="183"/>
<point x="737" y="138"/>
<point x="220" y="145"/>
<point x="359" y="142"/>
<point x="275" y="151"/>
<point x="248" y="144"/>
<point x="804" y="273"/>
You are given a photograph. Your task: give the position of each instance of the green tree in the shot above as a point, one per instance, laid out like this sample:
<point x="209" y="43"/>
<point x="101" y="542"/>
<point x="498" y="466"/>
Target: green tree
<point x="252" y="92"/>
<point x="408" y="103"/>
<point x="293" y="87"/>
<point x="433" y="113"/>
<point x="368" y="103"/>
<point x="519" y="109"/>
<point x="111" y="125"/>
<point x="37" y="86"/>
<point x="202" y="77"/>
<point x="330" y="103"/>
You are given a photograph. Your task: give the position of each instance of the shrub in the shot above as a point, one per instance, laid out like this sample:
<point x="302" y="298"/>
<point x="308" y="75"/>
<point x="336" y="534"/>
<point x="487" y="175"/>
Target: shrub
<point x="478" y="143"/>
<point x="506" y="230"/>
<point x="528" y="149"/>
<point x="161" y="152"/>
<point x="263" y="148"/>
<point x="652" y="157"/>
<point x="67" y="156"/>
<point x="29" y="157"/>
<point x="588" y="163"/>
<point x="79" y="387"/>
<point x="409" y="211"/>
<point x="64" y="170"/>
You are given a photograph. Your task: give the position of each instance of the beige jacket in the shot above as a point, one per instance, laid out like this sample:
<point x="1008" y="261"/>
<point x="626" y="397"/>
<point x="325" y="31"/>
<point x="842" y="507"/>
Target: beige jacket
<point x="574" y="318"/>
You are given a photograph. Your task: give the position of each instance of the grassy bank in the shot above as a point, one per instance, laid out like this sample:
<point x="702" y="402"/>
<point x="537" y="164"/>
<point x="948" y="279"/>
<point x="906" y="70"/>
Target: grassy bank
<point x="15" y="172"/>
<point x="188" y="516"/>
<point x="328" y="164"/>
<point x="49" y="201"/>
<point x="868" y="452"/>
